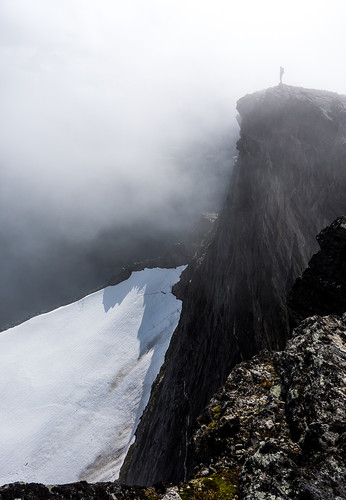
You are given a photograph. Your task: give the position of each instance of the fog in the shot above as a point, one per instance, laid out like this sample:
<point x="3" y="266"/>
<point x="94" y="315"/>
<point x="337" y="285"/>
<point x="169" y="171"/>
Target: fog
<point x="114" y="114"/>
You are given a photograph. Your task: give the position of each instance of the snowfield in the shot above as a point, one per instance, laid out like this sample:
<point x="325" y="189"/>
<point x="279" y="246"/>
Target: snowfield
<point x="74" y="382"/>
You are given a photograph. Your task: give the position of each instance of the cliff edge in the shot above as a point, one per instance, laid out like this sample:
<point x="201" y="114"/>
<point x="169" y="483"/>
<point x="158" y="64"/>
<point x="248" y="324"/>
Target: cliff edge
<point x="288" y="183"/>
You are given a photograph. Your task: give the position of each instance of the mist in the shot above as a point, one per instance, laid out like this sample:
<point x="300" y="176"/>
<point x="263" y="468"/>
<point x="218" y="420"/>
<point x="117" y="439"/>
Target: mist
<point x="118" y="123"/>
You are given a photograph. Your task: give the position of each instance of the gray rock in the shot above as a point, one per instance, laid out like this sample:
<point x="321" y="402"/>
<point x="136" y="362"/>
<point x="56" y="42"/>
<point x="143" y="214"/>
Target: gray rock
<point x="297" y="453"/>
<point x="172" y="494"/>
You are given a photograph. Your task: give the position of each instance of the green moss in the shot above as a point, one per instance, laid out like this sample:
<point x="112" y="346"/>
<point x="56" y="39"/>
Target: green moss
<point x="222" y="485"/>
<point x="217" y="412"/>
<point x="211" y="425"/>
<point x="150" y="494"/>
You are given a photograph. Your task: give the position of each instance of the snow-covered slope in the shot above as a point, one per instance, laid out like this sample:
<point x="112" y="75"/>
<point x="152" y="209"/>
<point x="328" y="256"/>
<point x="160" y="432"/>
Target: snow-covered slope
<point x="74" y="382"/>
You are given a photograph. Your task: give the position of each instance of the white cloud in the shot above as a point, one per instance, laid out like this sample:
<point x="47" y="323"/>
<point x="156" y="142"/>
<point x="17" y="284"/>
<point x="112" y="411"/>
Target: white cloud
<point x="91" y="92"/>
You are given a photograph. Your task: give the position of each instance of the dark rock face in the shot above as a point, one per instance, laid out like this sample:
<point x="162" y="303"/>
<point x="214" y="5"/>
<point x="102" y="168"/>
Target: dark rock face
<point x="322" y="287"/>
<point x="82" y="490"/>
<point x="86" y="491"/>
<point x="288" y="183"/>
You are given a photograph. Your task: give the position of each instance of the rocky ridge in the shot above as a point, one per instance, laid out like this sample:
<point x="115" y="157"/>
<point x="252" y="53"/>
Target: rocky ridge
<point x="287" y="184"/>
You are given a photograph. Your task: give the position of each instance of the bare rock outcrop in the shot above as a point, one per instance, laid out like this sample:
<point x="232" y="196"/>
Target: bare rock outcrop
<point x="278" y="423"/>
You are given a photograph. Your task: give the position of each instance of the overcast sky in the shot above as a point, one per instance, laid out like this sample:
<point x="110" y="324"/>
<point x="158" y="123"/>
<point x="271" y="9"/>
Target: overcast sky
<point x="92" y="92"/>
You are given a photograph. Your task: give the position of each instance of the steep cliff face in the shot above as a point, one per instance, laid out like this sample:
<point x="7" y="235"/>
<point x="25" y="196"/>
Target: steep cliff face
<point x="288" y="183"/>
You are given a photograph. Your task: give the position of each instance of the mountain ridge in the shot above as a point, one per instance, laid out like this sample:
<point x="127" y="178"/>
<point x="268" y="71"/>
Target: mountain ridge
<point x="287" y="184"/>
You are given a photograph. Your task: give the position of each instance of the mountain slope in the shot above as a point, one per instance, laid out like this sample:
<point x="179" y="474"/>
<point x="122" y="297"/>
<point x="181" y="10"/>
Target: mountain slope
<point x="288" y="183"/>
<point x="75" y="381"/>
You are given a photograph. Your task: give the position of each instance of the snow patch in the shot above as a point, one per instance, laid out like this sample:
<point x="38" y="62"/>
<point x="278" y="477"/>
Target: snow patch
<point x="75" y="381"/>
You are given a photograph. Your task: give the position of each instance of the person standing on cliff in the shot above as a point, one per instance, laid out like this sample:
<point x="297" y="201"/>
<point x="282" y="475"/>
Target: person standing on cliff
<point x="282" y="71"/>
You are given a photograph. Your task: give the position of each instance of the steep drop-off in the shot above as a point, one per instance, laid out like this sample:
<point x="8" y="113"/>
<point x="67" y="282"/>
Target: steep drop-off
<point x="288" y="183"/>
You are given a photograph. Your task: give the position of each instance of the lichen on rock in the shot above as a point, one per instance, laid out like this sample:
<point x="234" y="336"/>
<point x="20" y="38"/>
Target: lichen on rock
<point x="282" y="419"/>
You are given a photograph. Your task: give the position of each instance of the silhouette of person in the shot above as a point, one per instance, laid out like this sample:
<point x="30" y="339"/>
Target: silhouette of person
<point x="282" y="71"/>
